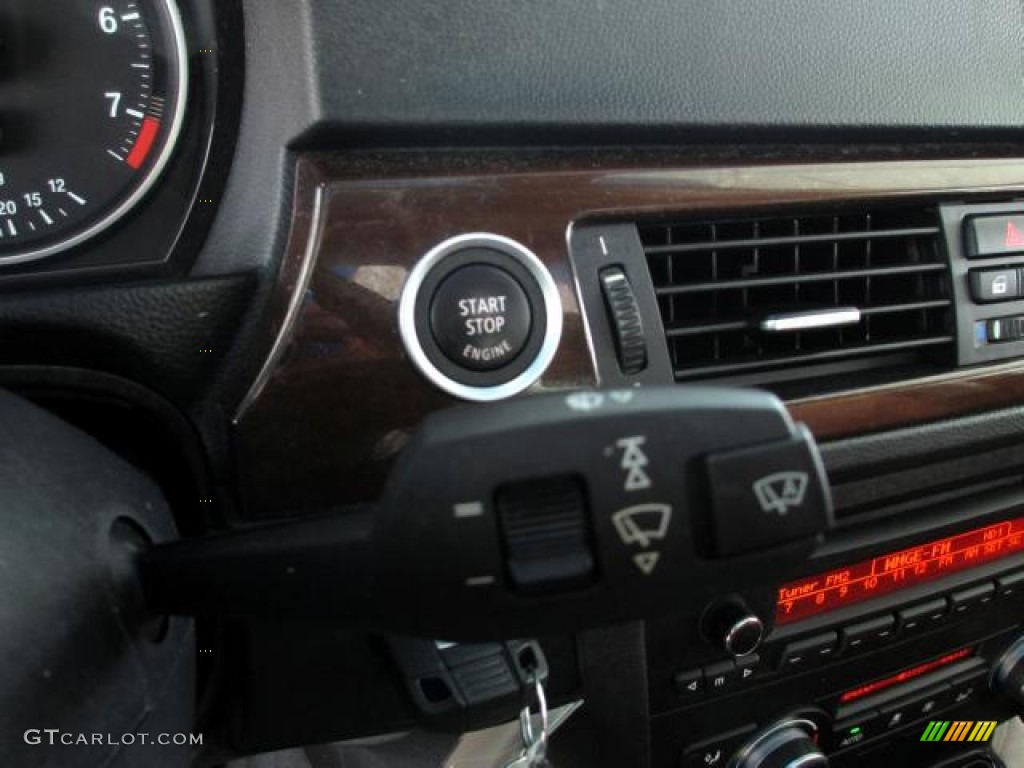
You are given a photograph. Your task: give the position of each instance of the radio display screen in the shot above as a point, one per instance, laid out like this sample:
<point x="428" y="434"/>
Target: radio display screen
<point x="898" y="570"/>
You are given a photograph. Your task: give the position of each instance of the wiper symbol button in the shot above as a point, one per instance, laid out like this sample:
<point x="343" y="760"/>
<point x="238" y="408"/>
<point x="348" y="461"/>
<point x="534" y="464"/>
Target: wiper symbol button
<point x="781" y="492"/>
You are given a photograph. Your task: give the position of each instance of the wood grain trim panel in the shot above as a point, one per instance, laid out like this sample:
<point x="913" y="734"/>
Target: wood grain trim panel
<point x="338" y="396"/>
<point x="915" y="402"/>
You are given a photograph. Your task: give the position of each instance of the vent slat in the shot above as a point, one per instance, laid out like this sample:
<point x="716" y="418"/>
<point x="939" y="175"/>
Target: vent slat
<point x="741" y="325"/>
<point x="811" y="359"/>
<point x="716" y="280"/>
<point x="696" y="330"/>
<point x="911" y="307"/>
<point x="798" y="279"/>
<point x="796" y="240"/>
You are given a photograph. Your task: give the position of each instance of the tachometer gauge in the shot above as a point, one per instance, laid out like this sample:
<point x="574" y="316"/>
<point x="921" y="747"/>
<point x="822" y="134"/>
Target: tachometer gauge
<point x="92" y="98"/>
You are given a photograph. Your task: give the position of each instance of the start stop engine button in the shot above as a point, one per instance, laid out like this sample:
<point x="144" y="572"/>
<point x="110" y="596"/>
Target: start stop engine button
<point x="480" y="317"/>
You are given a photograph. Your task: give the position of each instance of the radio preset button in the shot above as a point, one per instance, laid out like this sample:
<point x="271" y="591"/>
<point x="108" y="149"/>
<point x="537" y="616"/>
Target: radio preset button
<point x="918" y="618"/>
<point x="967" y="599"/>
<point x="1010" y="584"/>
<point x="857" y="637"/>
<point x="809" y="651"/>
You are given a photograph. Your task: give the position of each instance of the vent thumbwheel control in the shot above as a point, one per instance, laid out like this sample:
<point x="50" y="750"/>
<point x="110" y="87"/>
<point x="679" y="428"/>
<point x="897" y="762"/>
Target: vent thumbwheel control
<point x="626" y="322"/>
<point x="480" y="317"/>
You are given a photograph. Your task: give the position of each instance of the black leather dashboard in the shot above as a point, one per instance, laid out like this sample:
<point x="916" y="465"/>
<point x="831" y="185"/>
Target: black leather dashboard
<point x="673" y="65"/>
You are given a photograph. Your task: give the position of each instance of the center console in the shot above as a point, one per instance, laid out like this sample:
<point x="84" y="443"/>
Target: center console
<point x="879" y="300"/>
<point x="915" y="652"/>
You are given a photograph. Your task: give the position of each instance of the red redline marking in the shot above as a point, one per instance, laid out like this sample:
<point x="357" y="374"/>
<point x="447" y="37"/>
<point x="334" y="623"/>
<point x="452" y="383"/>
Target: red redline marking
<point x="143" y="144"/>
<point x="904" y="676"/>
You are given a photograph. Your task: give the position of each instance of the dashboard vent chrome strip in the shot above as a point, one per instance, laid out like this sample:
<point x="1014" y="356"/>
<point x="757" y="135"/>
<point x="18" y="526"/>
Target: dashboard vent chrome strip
<point x="747" y="294"/>
<point x="808" y="321"/>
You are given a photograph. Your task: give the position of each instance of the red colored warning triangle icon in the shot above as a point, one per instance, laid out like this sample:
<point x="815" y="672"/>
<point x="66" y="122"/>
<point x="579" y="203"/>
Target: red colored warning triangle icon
<point x="1014" y="237"/>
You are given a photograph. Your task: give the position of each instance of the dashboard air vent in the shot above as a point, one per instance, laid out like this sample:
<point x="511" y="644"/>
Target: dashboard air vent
<point x="760" y="296"/>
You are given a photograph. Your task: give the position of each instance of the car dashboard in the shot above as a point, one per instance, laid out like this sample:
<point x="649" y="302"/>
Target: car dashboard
<point x="667" y="357"/>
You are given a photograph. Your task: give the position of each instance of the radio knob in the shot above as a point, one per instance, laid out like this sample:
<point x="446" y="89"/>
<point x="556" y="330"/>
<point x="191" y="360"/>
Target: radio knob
<point x="1008" y="675"/>
<point x="732" y="626"/>
<point x="787" y="744"/>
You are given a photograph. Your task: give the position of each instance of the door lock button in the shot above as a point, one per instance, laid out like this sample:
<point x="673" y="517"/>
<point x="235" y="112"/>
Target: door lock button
<point x="992" y="285"/>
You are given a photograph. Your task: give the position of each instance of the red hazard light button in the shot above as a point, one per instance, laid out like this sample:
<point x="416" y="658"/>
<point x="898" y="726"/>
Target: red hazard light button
<point x="995" y="236"/>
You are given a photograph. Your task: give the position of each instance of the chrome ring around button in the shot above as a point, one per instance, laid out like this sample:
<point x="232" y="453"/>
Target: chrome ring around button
<point x="552" y="332"/>
<point x="737" y="635"/>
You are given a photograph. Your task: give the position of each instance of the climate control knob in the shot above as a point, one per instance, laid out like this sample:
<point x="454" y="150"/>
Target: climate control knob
<point x="1008" y="675"/>
<point x="787" y="744"/>
<point x="733" y="627"/>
